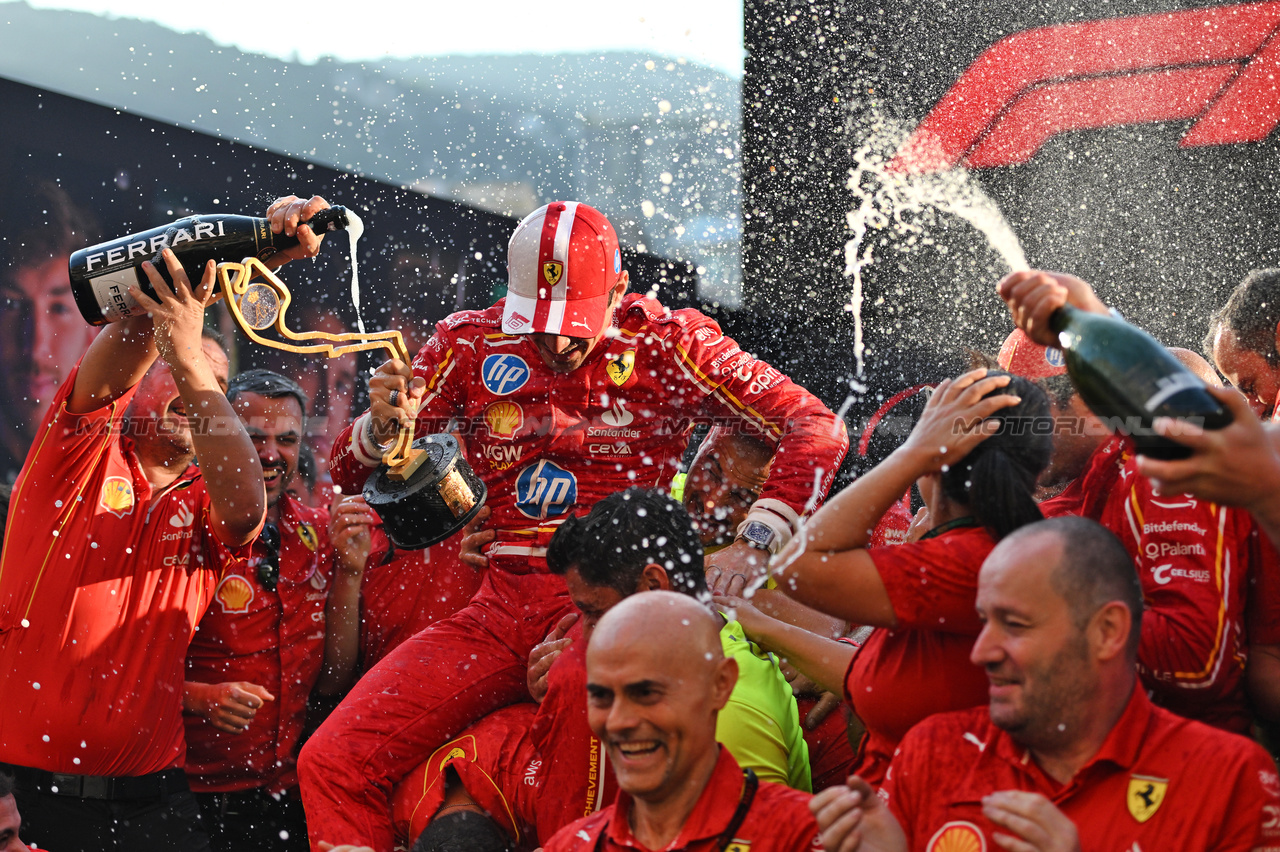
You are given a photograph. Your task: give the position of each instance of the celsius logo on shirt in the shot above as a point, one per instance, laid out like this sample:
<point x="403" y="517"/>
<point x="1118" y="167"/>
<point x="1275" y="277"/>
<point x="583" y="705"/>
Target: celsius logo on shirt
<point x="504" y="374"/>
<point x="545" y="490"/>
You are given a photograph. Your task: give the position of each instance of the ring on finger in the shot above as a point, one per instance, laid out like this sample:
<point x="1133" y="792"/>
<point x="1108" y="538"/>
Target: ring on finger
<point x="395" y="396"/>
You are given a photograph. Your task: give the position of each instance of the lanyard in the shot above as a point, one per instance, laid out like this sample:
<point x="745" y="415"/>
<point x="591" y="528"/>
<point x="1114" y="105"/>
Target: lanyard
<point x="749" y="785"/>
<point x="953" y="524"/>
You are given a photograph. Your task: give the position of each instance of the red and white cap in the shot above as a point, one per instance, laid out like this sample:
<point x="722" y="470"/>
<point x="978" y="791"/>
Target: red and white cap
<point x="562" y="262"/>
<point x="1022" y="356"/>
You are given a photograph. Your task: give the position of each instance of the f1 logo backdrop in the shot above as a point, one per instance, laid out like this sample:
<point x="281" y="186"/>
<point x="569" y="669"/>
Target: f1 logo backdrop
<point x="1218" y="66"/>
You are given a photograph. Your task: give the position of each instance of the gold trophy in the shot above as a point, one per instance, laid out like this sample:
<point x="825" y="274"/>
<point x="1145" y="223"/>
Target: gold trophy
<point x="424" y="490"/>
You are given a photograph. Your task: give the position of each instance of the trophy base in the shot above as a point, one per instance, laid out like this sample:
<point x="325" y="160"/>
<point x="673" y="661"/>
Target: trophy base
<point x="428" y="500"/>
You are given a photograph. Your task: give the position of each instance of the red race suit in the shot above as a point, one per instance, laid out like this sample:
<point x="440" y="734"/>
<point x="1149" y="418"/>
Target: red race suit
<point x="1159" y="781"/>
<point x="778" y="820"/>
<point x="404" y="591"/>
<point x="102" y="583"/>
<point x="544" y="443"/>
<point x="922" y="666"/>
<point x="273" y="639"/>
<point x="1195" y="561"/>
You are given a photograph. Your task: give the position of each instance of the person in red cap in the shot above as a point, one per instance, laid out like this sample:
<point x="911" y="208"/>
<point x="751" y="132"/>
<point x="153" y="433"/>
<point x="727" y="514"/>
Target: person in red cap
<point x="1068" y="753"/>
<point x="566" y="391"/>
<point x="1196" y="558"/>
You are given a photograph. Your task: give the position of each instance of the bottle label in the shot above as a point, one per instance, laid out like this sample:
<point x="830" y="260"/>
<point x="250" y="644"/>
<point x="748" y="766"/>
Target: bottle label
<point x="111" y="291"/>
<point x="133" y="253"/>
<point x="1168" y="386"/>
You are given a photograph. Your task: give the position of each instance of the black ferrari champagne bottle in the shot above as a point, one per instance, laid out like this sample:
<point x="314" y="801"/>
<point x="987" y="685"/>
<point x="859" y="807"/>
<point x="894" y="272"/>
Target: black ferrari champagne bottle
<point x="1128" y="379"/>
<point x="101" y="275"/>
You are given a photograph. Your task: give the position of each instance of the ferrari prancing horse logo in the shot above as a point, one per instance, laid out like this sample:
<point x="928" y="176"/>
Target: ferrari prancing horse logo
<point x="1145" y="796"/>
<point x="551" y="271"/>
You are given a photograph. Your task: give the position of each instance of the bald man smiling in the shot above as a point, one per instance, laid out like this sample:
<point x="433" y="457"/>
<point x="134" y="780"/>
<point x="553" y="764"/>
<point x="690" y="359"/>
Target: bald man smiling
<point x="656" y="679"/>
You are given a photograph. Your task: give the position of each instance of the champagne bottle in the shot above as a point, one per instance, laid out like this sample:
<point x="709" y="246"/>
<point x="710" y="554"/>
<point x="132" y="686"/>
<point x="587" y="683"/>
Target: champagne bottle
<point x="101" y="275"/>
<point x="1128" y="379"/>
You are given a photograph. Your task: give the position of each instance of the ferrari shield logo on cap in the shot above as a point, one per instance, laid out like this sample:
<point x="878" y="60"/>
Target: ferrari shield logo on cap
<point x="551" y="272"/>
<point x="619" y="368"/>
<point x="1145" y="796"/>
<point x="117" y="496"/>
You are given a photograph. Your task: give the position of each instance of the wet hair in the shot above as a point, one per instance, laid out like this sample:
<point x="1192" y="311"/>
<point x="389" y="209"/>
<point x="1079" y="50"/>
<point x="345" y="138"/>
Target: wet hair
<point x="1094" y="570"/>
<point x="268" y="384"/>
<point x="998" y="478"/>
<point x="622" y="534"/>
<point x="307" y="465"/>
<point x="6" y="785"/>
<point x="462" y="831"/>
<point x="1060" y="389"/>
<point x="1251" y="314"/>
<point x="211" y="333"/>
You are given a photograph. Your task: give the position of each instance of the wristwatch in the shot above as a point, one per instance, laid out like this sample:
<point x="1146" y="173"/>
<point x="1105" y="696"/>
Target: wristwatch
<point x="757" y="535"/>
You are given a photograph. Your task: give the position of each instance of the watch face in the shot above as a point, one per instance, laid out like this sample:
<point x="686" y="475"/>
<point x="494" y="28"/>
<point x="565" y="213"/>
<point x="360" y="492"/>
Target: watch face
<point x="758" y="534"/>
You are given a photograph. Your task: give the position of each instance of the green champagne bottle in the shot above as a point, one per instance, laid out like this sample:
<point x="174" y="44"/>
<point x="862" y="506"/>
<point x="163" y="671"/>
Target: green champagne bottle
<point x="1128" y="379"/>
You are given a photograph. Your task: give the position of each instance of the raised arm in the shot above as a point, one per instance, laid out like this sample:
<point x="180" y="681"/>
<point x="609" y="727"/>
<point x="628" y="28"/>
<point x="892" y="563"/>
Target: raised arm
<point x="232" y="472"/>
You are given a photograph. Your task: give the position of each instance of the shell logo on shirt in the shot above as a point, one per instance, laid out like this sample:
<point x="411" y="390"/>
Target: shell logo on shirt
<point x="545" y="490"/>
<point x="504" y="419"/>
<point x="958" y="837"/>
<point x="117" y="496"/>
<point x="234" y="594"/>
<point x="503" y="374"/>
<point x="1145" y="796"/>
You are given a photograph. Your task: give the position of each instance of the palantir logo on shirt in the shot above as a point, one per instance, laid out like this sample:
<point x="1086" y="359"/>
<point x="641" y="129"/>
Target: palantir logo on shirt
<point x="958" y="836"/>
<point x="504" y="374"/>
<point x="545" y="490"/>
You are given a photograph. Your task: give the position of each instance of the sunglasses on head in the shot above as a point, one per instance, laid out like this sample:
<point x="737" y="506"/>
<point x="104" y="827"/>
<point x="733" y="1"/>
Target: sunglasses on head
<point x="269" y="564"/>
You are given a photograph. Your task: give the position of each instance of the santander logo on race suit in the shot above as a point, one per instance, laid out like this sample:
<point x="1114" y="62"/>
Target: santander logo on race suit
<point x="1214" y="65"/>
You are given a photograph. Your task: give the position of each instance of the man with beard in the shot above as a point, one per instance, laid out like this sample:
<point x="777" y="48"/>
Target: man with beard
<point x="1070" y="753"/>
<point x="281" y="623"/>
<point x="656" y="680"/>
<point x="110" y="559"/>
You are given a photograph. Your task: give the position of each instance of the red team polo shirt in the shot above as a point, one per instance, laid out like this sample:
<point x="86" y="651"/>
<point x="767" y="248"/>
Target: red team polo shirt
<point x="102" y="583"/>
<point x="274" y="639"/>
<point x="1159" y="782"/>
<point x="922" y="667"/>
<point x="1196" y="561"/>
<point x="779" y="820"/>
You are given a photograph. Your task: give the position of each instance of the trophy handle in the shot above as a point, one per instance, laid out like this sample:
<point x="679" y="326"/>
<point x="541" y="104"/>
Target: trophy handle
<point x="235" y="278"/>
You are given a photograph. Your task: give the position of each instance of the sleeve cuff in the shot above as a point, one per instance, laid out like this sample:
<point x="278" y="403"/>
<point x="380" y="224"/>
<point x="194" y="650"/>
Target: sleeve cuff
<point x="777" y="516"/>
<point x="366" y="452"/>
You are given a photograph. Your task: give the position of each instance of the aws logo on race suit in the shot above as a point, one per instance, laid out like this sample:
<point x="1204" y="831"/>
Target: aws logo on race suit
<point x="504" y="373"/>
<point x="545" y="490"/>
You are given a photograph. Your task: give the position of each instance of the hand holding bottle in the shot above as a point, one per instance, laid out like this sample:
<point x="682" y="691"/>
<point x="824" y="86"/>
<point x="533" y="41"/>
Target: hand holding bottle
<point x="1033" y="295"/>
<point x="287" y="216"/>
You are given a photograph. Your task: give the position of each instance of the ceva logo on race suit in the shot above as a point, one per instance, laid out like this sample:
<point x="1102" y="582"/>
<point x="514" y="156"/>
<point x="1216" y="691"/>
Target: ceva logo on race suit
<point x="545" y="490"/>
<point x="1211" y="65"/>
<point x="504" y="374"/>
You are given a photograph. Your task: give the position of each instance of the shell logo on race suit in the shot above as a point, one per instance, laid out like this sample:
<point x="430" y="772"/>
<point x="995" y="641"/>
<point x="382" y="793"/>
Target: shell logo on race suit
<point x="545" y="490"/>
<point x="503" y="374"/>
<point x="504" y="419"/>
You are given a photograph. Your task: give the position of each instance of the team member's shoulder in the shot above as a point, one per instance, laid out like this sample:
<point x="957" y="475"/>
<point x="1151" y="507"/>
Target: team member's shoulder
<point x="462" y="332"/>
<point x="581" y="834"/>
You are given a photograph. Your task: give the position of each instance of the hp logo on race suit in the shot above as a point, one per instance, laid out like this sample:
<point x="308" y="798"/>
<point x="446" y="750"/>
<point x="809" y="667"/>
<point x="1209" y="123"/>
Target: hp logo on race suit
<point x="504" y="374"/>
<point x="544" y="490"/>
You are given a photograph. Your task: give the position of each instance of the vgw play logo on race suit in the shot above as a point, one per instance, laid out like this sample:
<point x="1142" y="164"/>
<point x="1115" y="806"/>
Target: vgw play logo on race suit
<point x="504" y="374"/>
<point x="545" y="490"/>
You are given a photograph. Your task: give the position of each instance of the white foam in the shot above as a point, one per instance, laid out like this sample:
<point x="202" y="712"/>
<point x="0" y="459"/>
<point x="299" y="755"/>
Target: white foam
<point x="355" y="229"/>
